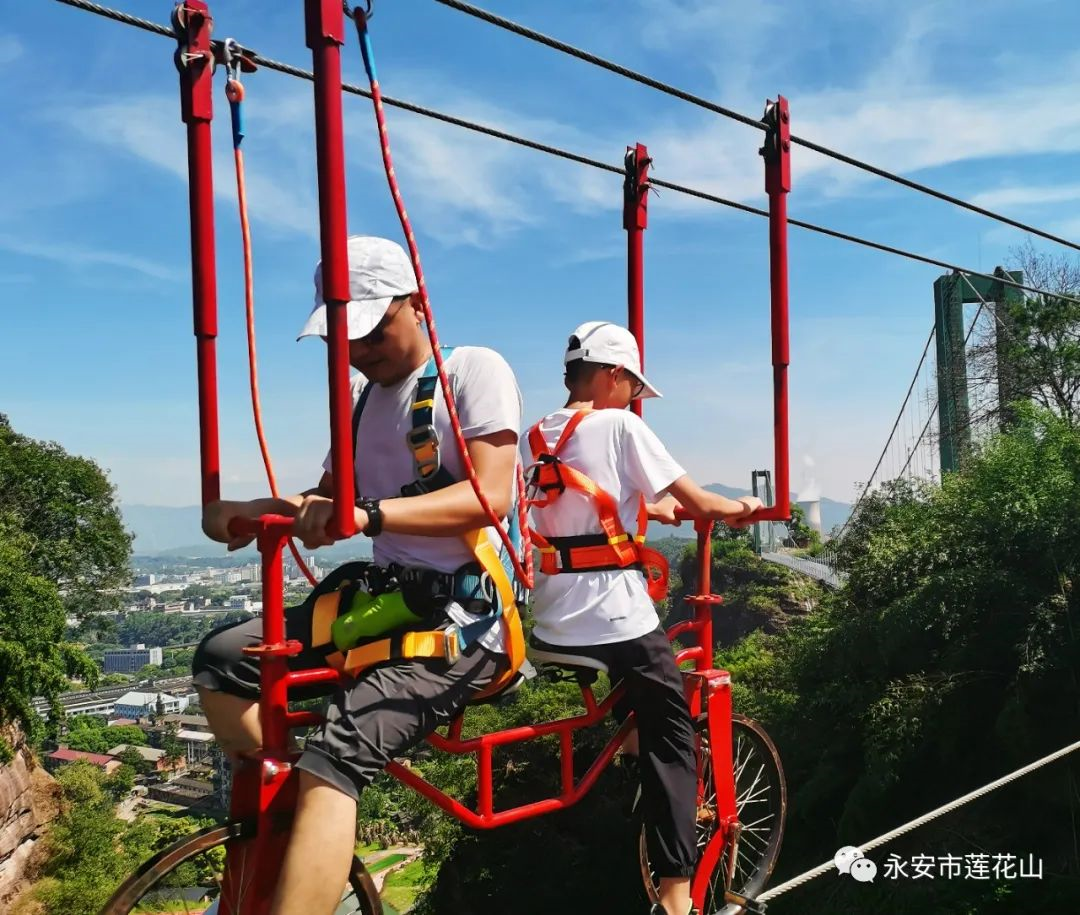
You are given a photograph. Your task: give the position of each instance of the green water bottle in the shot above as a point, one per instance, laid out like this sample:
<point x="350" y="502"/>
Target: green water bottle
<point x="370" y="616"/>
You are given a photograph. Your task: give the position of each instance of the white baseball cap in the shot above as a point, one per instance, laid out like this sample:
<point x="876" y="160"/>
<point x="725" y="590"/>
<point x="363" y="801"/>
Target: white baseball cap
<point x="379" y="271"/>
<point x="609" y="344"/>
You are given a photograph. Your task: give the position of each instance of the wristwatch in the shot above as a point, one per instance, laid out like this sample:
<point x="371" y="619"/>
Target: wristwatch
<point x="375" y="516"/>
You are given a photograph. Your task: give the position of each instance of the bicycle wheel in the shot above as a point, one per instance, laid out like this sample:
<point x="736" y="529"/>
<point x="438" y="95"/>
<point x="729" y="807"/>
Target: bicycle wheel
<point x="761" y="804"/>
<point x="186" y="877"/>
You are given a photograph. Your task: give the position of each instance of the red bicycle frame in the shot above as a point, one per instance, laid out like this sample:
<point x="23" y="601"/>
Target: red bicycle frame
<point x="264" y="789"/>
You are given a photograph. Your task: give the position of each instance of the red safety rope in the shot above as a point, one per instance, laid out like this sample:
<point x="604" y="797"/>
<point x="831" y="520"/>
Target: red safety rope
<point x="524" y="572"/>
<point x="234" y="90"/>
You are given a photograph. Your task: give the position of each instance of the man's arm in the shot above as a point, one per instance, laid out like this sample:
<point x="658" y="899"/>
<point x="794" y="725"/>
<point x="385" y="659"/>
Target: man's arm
<point x="455" y="509"/>
<point x="703" y="504"/>
<point x="443" y="513"/>
<point x="217" y="515"/>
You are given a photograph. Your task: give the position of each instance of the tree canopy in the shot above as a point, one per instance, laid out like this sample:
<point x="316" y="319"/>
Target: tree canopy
<point x="62" y="549"/>
<point x="66" y="507"/>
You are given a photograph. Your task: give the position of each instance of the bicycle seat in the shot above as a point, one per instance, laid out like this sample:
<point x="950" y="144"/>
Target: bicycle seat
<point x="525" y="673"/>
<point x="570" y="657"/>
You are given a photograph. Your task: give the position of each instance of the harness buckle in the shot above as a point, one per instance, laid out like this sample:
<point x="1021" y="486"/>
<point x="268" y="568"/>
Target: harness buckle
<point x="451" y="644"/>
<point x="423" y="442"/>
<point x="552" y="462"/>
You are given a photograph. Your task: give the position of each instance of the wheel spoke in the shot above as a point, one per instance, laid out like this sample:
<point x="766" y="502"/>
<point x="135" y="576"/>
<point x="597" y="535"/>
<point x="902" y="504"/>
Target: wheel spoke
<point x="759" y="792"/>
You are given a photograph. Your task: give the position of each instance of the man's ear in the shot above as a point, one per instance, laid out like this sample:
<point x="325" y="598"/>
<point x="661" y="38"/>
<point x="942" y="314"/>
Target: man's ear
<point x="417" y="304"/>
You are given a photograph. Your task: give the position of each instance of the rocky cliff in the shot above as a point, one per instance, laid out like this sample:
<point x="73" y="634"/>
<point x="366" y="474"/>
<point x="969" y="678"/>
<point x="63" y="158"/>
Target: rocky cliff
<point x="27" y="805"/>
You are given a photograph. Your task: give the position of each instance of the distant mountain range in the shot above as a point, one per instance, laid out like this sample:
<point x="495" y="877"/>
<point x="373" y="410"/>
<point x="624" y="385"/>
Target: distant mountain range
<point x="176" y="532"/>
<point x="162" y="530"/>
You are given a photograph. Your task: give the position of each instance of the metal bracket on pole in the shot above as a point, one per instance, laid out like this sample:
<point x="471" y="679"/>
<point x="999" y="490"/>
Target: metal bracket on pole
<point x="194" y="59"/>
<point x="636" y="188"/>
<point x="766" y="477"/>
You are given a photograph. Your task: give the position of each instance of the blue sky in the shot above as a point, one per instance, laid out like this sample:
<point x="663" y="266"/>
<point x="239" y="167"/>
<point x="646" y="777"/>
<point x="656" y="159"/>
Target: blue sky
<point x="518" y="248"/>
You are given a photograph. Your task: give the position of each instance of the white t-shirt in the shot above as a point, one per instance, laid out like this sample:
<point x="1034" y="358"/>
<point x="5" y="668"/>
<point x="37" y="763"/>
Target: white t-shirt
<point x="488" y="400"/>
<point x="623" y="456"/>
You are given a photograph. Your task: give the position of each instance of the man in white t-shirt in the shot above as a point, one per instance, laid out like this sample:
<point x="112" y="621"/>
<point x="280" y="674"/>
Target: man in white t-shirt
<point x="606" y="612"/>
<point x="416" y="526"/>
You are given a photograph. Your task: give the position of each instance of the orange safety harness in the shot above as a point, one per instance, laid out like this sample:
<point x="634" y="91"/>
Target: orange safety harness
<point x="611" y="549"/>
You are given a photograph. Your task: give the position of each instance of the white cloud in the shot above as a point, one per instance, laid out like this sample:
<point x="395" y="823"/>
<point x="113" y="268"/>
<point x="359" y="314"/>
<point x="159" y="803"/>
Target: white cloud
<point x="470" y="189"/>
<point x="72" y="255"/>
<point x="11" y="49"/>
<point x="465" y="189"/>
<point x="893" y="115"/>
<point x="148" y="128"/>
<point x="1027" y="195"/>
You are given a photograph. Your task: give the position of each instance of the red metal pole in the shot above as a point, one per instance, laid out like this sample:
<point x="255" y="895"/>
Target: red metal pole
<point x="274" y="668"/>
<point x="704" y="609"/>
<point x="777" y="153"/>
<point x="635" y="221"/>
<point x="194" y="60"/>
<point x="325" y="28"/>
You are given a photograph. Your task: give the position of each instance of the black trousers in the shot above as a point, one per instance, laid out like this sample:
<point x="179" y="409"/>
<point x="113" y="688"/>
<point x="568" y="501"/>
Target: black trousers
<point x="369" y="721"/>
<point x="667" y="760"/>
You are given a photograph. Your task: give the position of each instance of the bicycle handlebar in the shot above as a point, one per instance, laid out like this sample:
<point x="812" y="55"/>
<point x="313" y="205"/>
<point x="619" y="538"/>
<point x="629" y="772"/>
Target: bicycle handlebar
<point x="766" y="513"/>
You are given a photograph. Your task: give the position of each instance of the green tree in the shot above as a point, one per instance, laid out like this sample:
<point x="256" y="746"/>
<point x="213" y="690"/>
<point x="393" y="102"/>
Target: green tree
<point x="62" y="550"/>
<point x="119" y="784"/>
<point x="130" y="734"/>
<point x="89" y="734"/>
<point x="87" y="858"/>
<point x="34" y="658"/>
<point x="90" y="851"/>
<point x="132" y="757"/>
<point x="800" y="534"/>
<point x="1040" y="334"/>
<point x="66" y="507"/>
<point x="170" y="743"/>
<point x="949" y="658"/>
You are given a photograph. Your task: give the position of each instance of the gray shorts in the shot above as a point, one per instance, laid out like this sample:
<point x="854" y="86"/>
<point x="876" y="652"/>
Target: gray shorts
<point x="369" y="721"/>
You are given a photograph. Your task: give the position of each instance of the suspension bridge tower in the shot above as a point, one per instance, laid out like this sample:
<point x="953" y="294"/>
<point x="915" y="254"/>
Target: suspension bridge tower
<point x="951" y="292"/>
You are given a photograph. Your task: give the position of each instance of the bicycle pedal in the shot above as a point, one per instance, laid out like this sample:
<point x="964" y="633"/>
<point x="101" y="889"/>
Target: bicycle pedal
<point x="751" y="906"/>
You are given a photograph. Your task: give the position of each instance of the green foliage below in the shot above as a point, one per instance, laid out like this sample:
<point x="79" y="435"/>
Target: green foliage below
<point x="401" y="888"/>
<point x="170" y="629"/>
<point x="949" y="659"/>
<point x="92" y="735"/>
<point x="90" y="851"/>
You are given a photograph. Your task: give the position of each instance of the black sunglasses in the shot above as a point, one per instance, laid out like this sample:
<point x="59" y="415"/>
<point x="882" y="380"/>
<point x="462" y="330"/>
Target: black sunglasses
<point x="378" y="333"/>
<point x="637" y="386"/>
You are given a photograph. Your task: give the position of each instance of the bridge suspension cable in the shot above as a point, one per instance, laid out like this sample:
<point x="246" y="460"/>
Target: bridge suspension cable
<point x="619" y="169"/>
<point x="920" y="821"/>
<point x="597" y="61"/>
<point x="914" y="447"/>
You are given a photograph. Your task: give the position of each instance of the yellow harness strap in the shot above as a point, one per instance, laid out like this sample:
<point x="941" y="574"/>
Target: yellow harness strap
<point x="513" y="636"/>
<point x="423" y="442"/>
<point x="428" y="643"/>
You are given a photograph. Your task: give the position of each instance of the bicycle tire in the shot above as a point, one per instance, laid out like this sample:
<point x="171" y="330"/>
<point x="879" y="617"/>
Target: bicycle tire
<point x="754" y="741"/>
<point x="128" y="896"/>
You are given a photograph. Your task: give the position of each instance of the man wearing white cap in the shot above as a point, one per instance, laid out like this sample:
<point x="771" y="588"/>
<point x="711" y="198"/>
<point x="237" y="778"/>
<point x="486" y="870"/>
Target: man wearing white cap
<point x="599" y="605"/>
<point x="415" y="523"/>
